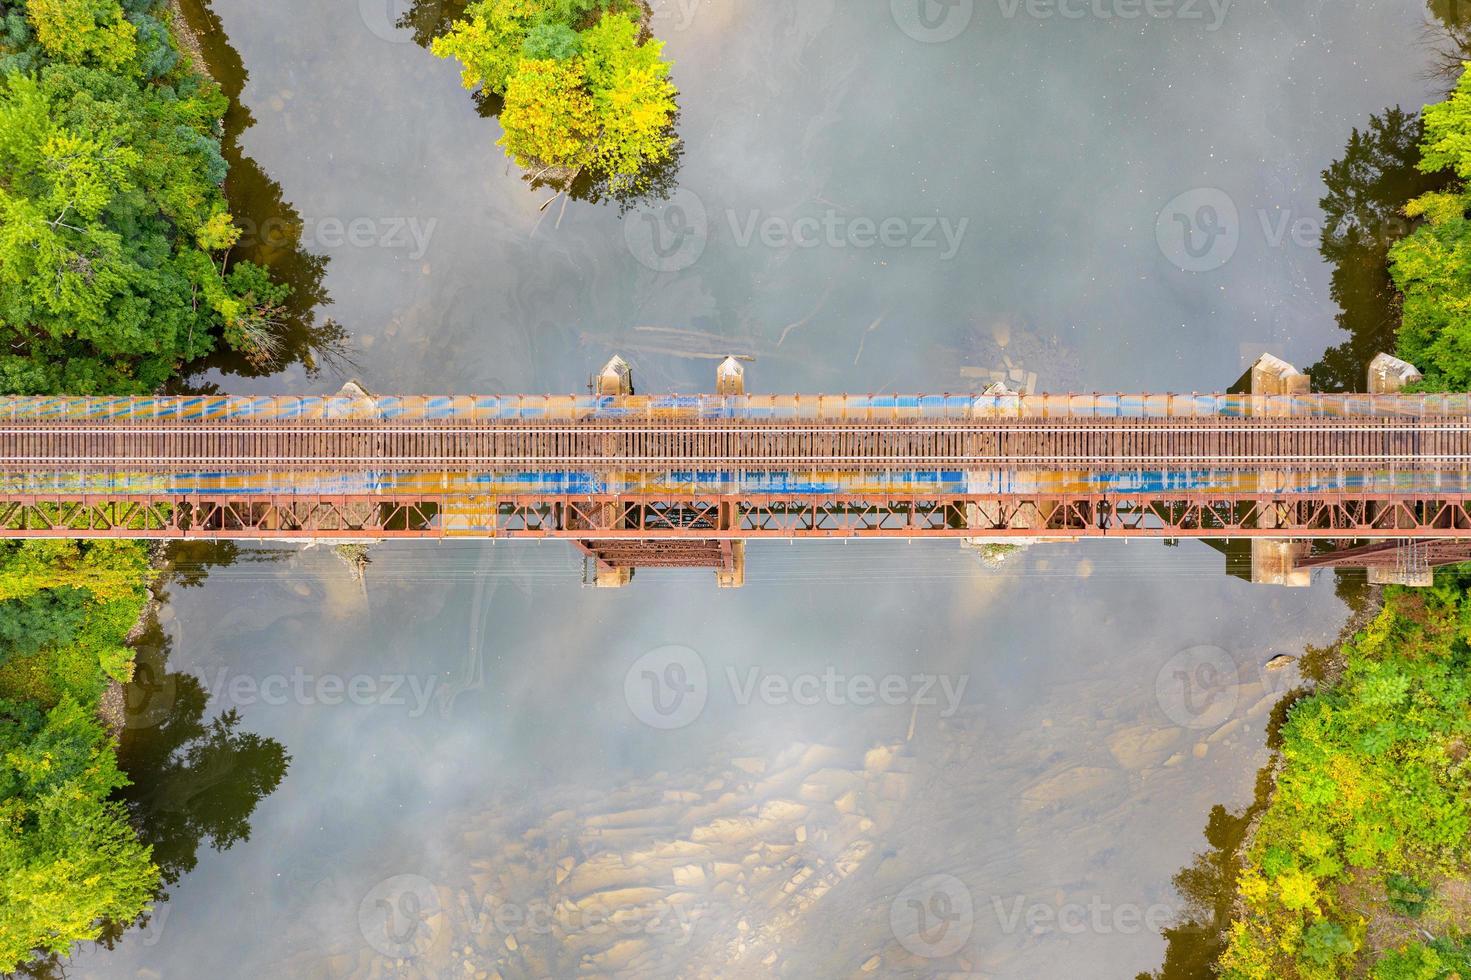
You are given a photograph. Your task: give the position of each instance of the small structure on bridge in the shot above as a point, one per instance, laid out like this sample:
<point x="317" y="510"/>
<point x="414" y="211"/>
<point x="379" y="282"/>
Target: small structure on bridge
<point x="1271" y="375"/>
<point x="730" y="377"/>
<point x="615" y="378"/>
<point x="1388" y="375"/>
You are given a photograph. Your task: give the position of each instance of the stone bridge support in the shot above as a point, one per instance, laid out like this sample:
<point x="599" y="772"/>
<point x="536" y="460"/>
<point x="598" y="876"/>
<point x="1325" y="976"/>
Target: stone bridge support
<point x="1388" y="375"/>
<point x="1274" y="560"/>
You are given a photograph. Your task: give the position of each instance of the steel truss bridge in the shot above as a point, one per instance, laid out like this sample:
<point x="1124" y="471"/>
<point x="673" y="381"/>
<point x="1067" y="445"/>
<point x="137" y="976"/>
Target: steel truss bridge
<point x="1380" y="480"/>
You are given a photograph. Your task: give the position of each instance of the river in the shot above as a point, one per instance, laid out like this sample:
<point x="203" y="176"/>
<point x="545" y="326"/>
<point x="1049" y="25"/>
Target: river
<point x="883" y="759"/>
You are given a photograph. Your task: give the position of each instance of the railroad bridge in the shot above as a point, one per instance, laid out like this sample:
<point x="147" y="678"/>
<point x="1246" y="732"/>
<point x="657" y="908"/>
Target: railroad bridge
<point x="1380" y="479"/>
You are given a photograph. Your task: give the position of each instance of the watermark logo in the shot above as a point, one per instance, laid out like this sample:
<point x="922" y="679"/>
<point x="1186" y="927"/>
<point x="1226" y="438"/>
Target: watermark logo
<point x="399" y="916"/>
<point x="406" y="234"/>
<point x="539" y="917"/>
<point x="1186" y="10"/>
<point x="833" y="687"/>
<point x="149" y="697"/>
<point x="1198" y="688"/>
<point x="669" y="235"/>
<point x="1096" y="917"/>
<point x="299" y="687"/>
<point x="832" y="229"/>
<point x="382" y="17"/>
<point x="937" y="21"/>
<point x="933" y="916"/>
<point x="1199" y="230"/>
<point x="667" y="687"/>
<point x="674" y="15"/>
<point x="932" y="21"/>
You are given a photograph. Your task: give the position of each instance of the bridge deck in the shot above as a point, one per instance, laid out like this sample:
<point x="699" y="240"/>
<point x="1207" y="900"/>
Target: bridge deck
<point x="607" y="469"/>
<point x="847" y="408"/>
<point x="1420" y="444"/>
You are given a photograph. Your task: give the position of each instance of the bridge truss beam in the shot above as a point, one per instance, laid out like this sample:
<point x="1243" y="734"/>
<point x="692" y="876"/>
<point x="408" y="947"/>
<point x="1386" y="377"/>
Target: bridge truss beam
<point x="648" y="517"/>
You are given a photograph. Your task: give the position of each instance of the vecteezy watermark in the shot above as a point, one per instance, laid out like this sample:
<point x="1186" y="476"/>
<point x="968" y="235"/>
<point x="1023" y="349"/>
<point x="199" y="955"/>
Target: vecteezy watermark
<point x="299" y="687"/>
<point x="400" y="916"/>
<point x="674" y="15"/>
<point x="839" y="689"/>
<point x="411" y="235"/>
<point x="937" y="21"/>
<point x="932" y="21"/>
<point x="540" y="917"/>
<point x="1095" y="916"/>
<point x="1199" y="230"/>
<point x="832" y="229"/>
<point x="668" y="235"/>
<point x="669" y="687"/>
<point x="1212" y="11"/>
<point x="671" y="235"/>
<point x="1198" y="687"/>
<point x="933" y="916"/>
<point x="382" y="17"/>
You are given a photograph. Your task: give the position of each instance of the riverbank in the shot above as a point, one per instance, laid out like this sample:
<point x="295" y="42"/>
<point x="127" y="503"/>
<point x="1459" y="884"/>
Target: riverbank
<point x="117" y="280"/>
<point x="1354" y="858"/>
<point x="1360" y="862"/>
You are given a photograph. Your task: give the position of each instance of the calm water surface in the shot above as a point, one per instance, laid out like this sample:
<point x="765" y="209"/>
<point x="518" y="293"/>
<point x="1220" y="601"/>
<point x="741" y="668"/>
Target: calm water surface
<point x="496" y="770"/>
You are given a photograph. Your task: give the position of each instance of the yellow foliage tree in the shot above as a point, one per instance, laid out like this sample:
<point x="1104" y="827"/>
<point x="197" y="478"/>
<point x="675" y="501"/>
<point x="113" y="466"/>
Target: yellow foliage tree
<point x="93" y="32"/>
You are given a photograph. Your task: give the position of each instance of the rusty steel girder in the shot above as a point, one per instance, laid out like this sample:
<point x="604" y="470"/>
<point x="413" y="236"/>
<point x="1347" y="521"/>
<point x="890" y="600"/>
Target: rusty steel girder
<point x="751" y="516"/>
<point x="1391" y="554"/>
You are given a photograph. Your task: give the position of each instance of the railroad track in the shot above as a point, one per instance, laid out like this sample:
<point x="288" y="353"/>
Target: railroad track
<point x="1426" y="443"/>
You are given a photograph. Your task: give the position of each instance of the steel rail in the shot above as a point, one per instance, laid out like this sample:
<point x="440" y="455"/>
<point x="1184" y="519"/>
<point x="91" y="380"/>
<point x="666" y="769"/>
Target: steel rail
<point x="1246" y="424"/>
<point x="380" y="462"/>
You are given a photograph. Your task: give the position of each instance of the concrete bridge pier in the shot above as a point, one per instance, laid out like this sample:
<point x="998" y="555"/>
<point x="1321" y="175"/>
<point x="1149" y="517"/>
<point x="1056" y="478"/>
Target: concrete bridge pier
<point x="730" y="379"/>
<point x="1388" y="375"/>
<point x="615" y="560"/>
<point x="987" y="515"/>
<point x="1274" y="560"/>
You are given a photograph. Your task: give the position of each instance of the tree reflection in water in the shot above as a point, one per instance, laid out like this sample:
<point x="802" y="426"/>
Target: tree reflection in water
<point x="1363" y="215"/>
<point x="195" y="780"/>
<point x="271" y="232"/>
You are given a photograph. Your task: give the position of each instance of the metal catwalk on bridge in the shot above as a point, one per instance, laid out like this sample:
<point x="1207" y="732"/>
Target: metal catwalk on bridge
<point x="620" y="472"/>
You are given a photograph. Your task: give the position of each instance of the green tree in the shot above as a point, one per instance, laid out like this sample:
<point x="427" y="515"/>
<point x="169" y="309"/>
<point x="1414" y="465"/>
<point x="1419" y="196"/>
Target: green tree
<point x="69" y="859"/>
<point x="488" y="42"/>
<point x="1432" y="267"/>
<point x="633" y="98"/>
<point x="548" y="40"/>
<point x="85" y="32"/>
<point x="112" y="222"/>
<point x="586" y="93"/>
<point x="548" y="118"/>
<point x="50" y="617"/>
